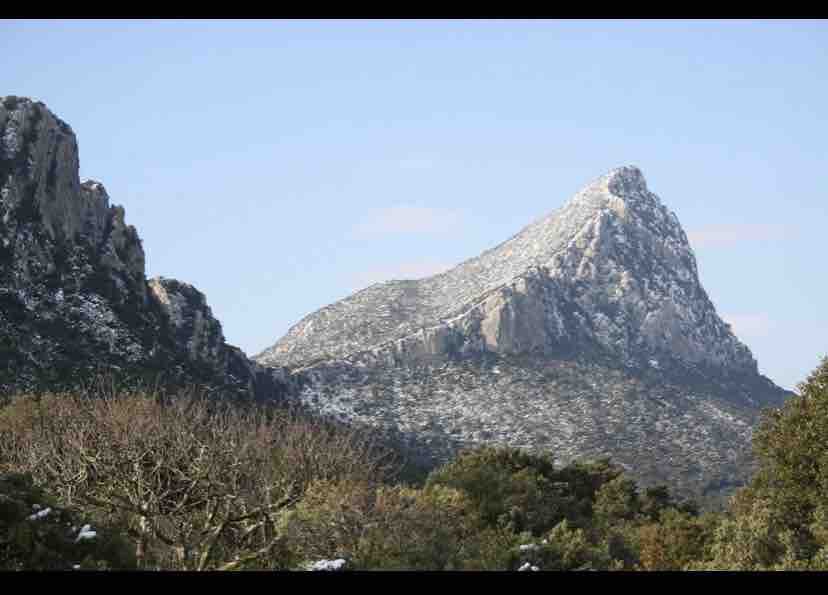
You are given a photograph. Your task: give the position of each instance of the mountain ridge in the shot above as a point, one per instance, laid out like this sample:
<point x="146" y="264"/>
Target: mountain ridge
<point x="436" y="300"/>
<point x="591" y="316"/>
<point x="586" y="334"/>
<point x="74" y="295"/>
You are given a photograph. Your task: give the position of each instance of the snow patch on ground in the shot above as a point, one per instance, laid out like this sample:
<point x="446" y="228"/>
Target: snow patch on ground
<point x="40" y="515"/>
<point x="86" y="532"/>
<point x="337" y="564"/>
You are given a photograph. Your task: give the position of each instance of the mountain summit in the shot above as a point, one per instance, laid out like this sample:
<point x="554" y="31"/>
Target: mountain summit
<point x="610" y="271"/>
<point x="592" y="317"/>
<point x="587" y="334"/>
<point x="74" y="299"/>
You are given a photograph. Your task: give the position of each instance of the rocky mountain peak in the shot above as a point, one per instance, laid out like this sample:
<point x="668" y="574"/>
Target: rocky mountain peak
<point x="620" y="200"/>
<point x="190" y="317"/>
<point x="626" y="181"/>
<point x="586" y="334"/>
<point x="610" y="271"/>
<point x="73" y="291"/>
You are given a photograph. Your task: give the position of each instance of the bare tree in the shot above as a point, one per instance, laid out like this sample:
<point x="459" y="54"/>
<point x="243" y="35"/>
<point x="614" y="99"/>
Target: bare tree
<point x="200" y="484"/>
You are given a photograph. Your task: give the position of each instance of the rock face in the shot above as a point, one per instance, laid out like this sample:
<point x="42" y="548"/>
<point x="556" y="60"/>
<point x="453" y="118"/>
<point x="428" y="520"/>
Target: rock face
<point x="587" y="333"/>
<point x="74" y="299"/>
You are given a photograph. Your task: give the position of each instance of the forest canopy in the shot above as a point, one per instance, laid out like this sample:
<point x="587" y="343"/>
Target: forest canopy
<point x="117" y="479"/>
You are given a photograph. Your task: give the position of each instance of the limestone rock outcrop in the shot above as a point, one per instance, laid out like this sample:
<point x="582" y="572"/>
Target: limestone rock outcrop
<point x="611" y="270"/>
<point x="592" y="317"/>
<point x="74" y="299"/>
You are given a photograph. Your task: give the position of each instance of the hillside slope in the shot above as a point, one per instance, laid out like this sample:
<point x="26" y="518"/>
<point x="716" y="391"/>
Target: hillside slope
<point x="588" y="333"/>
<point x="74" y="299"/>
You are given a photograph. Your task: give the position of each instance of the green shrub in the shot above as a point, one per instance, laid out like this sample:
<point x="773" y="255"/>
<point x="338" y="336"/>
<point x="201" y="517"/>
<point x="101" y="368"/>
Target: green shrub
<point x="778" y="521"/>
<point x="677" y="540"/>
<point x="394" y="528"/>
<point x="509" y="488"/>
<point x="617" y="500"/>
<point x="566" y="548"/>
<point x="36" y="534"/>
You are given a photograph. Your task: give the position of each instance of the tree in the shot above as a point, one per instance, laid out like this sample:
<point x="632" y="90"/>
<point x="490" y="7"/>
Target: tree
<point x="509" y="487"/>
<point x="778" y="520"/>
<point x="675" y="541"/>
<point x="381" y="527"/>
<point x="617" y="500"/>
<point x="199" y="484"/>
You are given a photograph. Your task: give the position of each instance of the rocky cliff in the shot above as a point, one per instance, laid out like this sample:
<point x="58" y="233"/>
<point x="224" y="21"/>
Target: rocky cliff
<point x="587" y="334"/>
<point x="74" y="299"/>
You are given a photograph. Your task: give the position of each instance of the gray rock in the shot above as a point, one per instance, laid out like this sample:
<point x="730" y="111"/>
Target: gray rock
<point x="612" y="268"/>
<point x="74" y="296"/>
<point x="588" y="334"/>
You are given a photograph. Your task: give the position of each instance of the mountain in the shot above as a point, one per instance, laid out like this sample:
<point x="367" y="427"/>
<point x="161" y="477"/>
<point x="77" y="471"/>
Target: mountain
<point x="74" y="299"/>
<point x="587" y="334"/>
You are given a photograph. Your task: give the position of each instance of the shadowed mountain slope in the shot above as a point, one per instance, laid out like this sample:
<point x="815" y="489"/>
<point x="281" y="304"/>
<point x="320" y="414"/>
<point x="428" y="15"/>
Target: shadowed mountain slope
<point x="74" y="300"/>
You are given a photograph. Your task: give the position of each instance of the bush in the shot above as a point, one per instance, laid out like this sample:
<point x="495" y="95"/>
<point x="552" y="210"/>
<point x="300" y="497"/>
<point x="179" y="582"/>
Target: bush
<point x="394" y="528"/>
<point x="199" y="484"/>
<point x="509" y="488"/>
<point x="677" y="541"/>
<point x="36" y="534"/>
<point x="564" y="548"/>
<point x="617" y="500"/>
<point x="527" y="492"/>
<point x="778" y="521"/>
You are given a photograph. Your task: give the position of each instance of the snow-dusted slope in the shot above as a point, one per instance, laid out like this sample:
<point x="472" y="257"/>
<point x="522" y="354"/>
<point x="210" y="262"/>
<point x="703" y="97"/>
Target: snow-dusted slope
<point x="74" y="300"/>
<point x="605" y="289"/>
<point x="612" y="268"/>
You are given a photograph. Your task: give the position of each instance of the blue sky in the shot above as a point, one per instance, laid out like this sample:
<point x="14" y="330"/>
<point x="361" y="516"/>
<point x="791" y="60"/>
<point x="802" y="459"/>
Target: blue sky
<point x="280" y="165"/>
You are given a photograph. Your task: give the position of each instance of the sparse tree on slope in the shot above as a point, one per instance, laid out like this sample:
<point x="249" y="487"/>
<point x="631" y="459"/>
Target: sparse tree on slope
<point x="779" y="520"/>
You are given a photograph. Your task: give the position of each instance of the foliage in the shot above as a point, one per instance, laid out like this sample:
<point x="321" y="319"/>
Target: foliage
<point x="566" y="548"/>
<point x="383" y="527"/>
<point x="518" y="490"/>
<point x="197" y="484"/>
<point x="36" y="534"/>
<point x="677" y="540"/>
<point x="579" y="516"/>
<point x="778" y="521"/>
<point x="187" y="482"/>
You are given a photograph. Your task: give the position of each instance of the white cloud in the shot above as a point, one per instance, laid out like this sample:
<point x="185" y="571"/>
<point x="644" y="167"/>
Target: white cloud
<point x="715" y="236"/>
<point x="402" y="271"/>
<point x="749" y="325"/>
<point x="408" y="219"/>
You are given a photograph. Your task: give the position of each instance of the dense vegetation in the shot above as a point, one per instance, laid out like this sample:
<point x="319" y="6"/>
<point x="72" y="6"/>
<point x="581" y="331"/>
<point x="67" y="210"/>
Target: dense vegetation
<point x="136" y="479"/>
